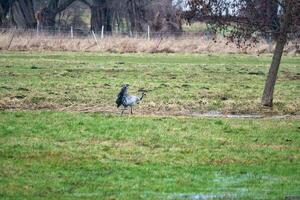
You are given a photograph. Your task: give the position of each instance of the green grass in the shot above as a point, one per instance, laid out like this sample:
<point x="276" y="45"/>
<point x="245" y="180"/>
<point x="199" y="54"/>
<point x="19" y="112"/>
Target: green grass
<point x="57" y="155"/>
<point x="177" y="83"/>
<point x="69" y="155"/>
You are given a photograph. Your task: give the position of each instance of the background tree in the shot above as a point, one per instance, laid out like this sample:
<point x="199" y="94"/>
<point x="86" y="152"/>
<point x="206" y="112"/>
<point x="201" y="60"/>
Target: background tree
<point x="19" y="13"/>
<point x="47" y="15"/>
<point x="244" y="20"/>
<point x="4" y="8"/>
<point x="125" y="16"/>
<point x="133" y="15"/>
<point x="22" y="14"/>
<point x="76" y="15"/>
<point x="101" y="14"/>
<point x="166" y="17"/>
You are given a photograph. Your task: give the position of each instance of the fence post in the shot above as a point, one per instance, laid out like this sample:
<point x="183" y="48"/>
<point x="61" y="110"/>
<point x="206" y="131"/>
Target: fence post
<point x="72" y="34"/>
<point x="148" y="35"/>
<point x="37" y="28"/>
<point x="102" y="32"/>
<point x="94" y="35"/>
<point x="117" y="29"/>
<point x="269" y="41"/>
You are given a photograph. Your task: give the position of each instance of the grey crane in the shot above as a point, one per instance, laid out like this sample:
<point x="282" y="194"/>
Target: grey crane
<point x="127" y="100"/>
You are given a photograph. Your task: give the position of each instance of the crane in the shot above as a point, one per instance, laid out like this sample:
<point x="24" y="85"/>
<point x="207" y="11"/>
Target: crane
<point x="126" y="100"/>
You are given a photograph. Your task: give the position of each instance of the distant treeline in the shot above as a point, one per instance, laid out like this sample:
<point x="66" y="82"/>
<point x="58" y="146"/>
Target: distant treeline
<point x="126" y="15"/>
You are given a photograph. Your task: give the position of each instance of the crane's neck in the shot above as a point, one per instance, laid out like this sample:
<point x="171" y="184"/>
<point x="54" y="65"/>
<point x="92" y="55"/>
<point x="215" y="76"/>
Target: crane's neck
<point x="124" y="91"/>
<point x="143" y="94"/>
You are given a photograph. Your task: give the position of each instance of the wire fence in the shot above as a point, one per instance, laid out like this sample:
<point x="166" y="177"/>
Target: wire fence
<point x="80" y="32"/>
<point x="149" y="34"/>
<point x="80" y="39"/>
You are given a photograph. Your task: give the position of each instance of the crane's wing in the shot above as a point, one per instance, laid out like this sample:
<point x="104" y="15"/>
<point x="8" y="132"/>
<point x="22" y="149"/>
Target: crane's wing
<point x="120" y="96"/>
<point x="119" y="102"/>
<point x="131" y="100"/>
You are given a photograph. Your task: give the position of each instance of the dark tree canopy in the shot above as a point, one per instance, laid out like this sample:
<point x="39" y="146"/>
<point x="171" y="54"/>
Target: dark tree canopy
<point x="248" y="19"/>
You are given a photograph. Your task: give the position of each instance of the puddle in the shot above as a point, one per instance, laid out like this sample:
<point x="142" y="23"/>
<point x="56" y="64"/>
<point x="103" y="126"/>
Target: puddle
<point x="233" y="180"/>
<point x="237" y="184"/>
<point x="191" y="196"/>
<point x="38" y="104"/>
<point x="216" y="114"/>
<point x="202" y="196"/>
<point x="219" y="114"/>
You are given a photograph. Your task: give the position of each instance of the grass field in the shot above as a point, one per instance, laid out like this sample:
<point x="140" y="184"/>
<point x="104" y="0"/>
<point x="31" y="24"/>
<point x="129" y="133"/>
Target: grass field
<point x="176" y="83"/>
<point x="48" y="150"/>
<point x="57" y="155"/>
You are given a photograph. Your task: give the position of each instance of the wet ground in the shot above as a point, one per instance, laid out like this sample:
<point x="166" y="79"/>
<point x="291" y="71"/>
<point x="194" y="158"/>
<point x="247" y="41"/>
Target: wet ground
<point x="215" y="114"/>
<point x="140" y="112"/>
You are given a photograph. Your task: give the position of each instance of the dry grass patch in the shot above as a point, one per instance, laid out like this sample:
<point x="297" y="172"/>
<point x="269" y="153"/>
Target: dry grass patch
<point x="29" y="41"/>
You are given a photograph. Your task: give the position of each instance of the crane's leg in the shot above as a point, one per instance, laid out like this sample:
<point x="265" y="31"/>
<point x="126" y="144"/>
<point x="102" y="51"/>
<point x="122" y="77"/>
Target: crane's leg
<point x="131" y="110"/>
<point x="123" y="111"/>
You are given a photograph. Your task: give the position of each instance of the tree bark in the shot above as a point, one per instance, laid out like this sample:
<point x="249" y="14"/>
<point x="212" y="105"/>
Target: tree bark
<point x="2" y="14"/>
<point x="136" y="15"/>
<point x="22" y="14"/>
<point x="267" y="98"/>
<point x="47" y="15"/>
<point x="101" y="15"/>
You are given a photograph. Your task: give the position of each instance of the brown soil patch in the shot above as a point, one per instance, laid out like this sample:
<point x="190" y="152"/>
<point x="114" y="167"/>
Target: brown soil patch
<point x="287" y="75"/>
<point x="138" y="111"/>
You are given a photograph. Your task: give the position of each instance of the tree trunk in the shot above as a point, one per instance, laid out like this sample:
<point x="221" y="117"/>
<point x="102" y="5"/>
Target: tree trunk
<point x="22" y="14"/>
<point x="4" y="9"/>
<point x="47" y="18"/>
<point x="96" y="18"/>
<point x="136" y="15"/>
<point x="101" y="16"/>
<point x="2" y="15"/>
<point x="267" y="98"/>
<point x="47" y="15"/>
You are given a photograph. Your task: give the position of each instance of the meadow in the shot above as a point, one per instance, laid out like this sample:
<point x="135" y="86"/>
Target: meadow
<point x="61" y="136"/>
<point x="176" y="84"/>
<point x="58" y="155"/>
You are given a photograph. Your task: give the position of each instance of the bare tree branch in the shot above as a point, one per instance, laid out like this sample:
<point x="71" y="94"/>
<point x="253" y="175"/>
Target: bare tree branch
<point x="64" y="5"/>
